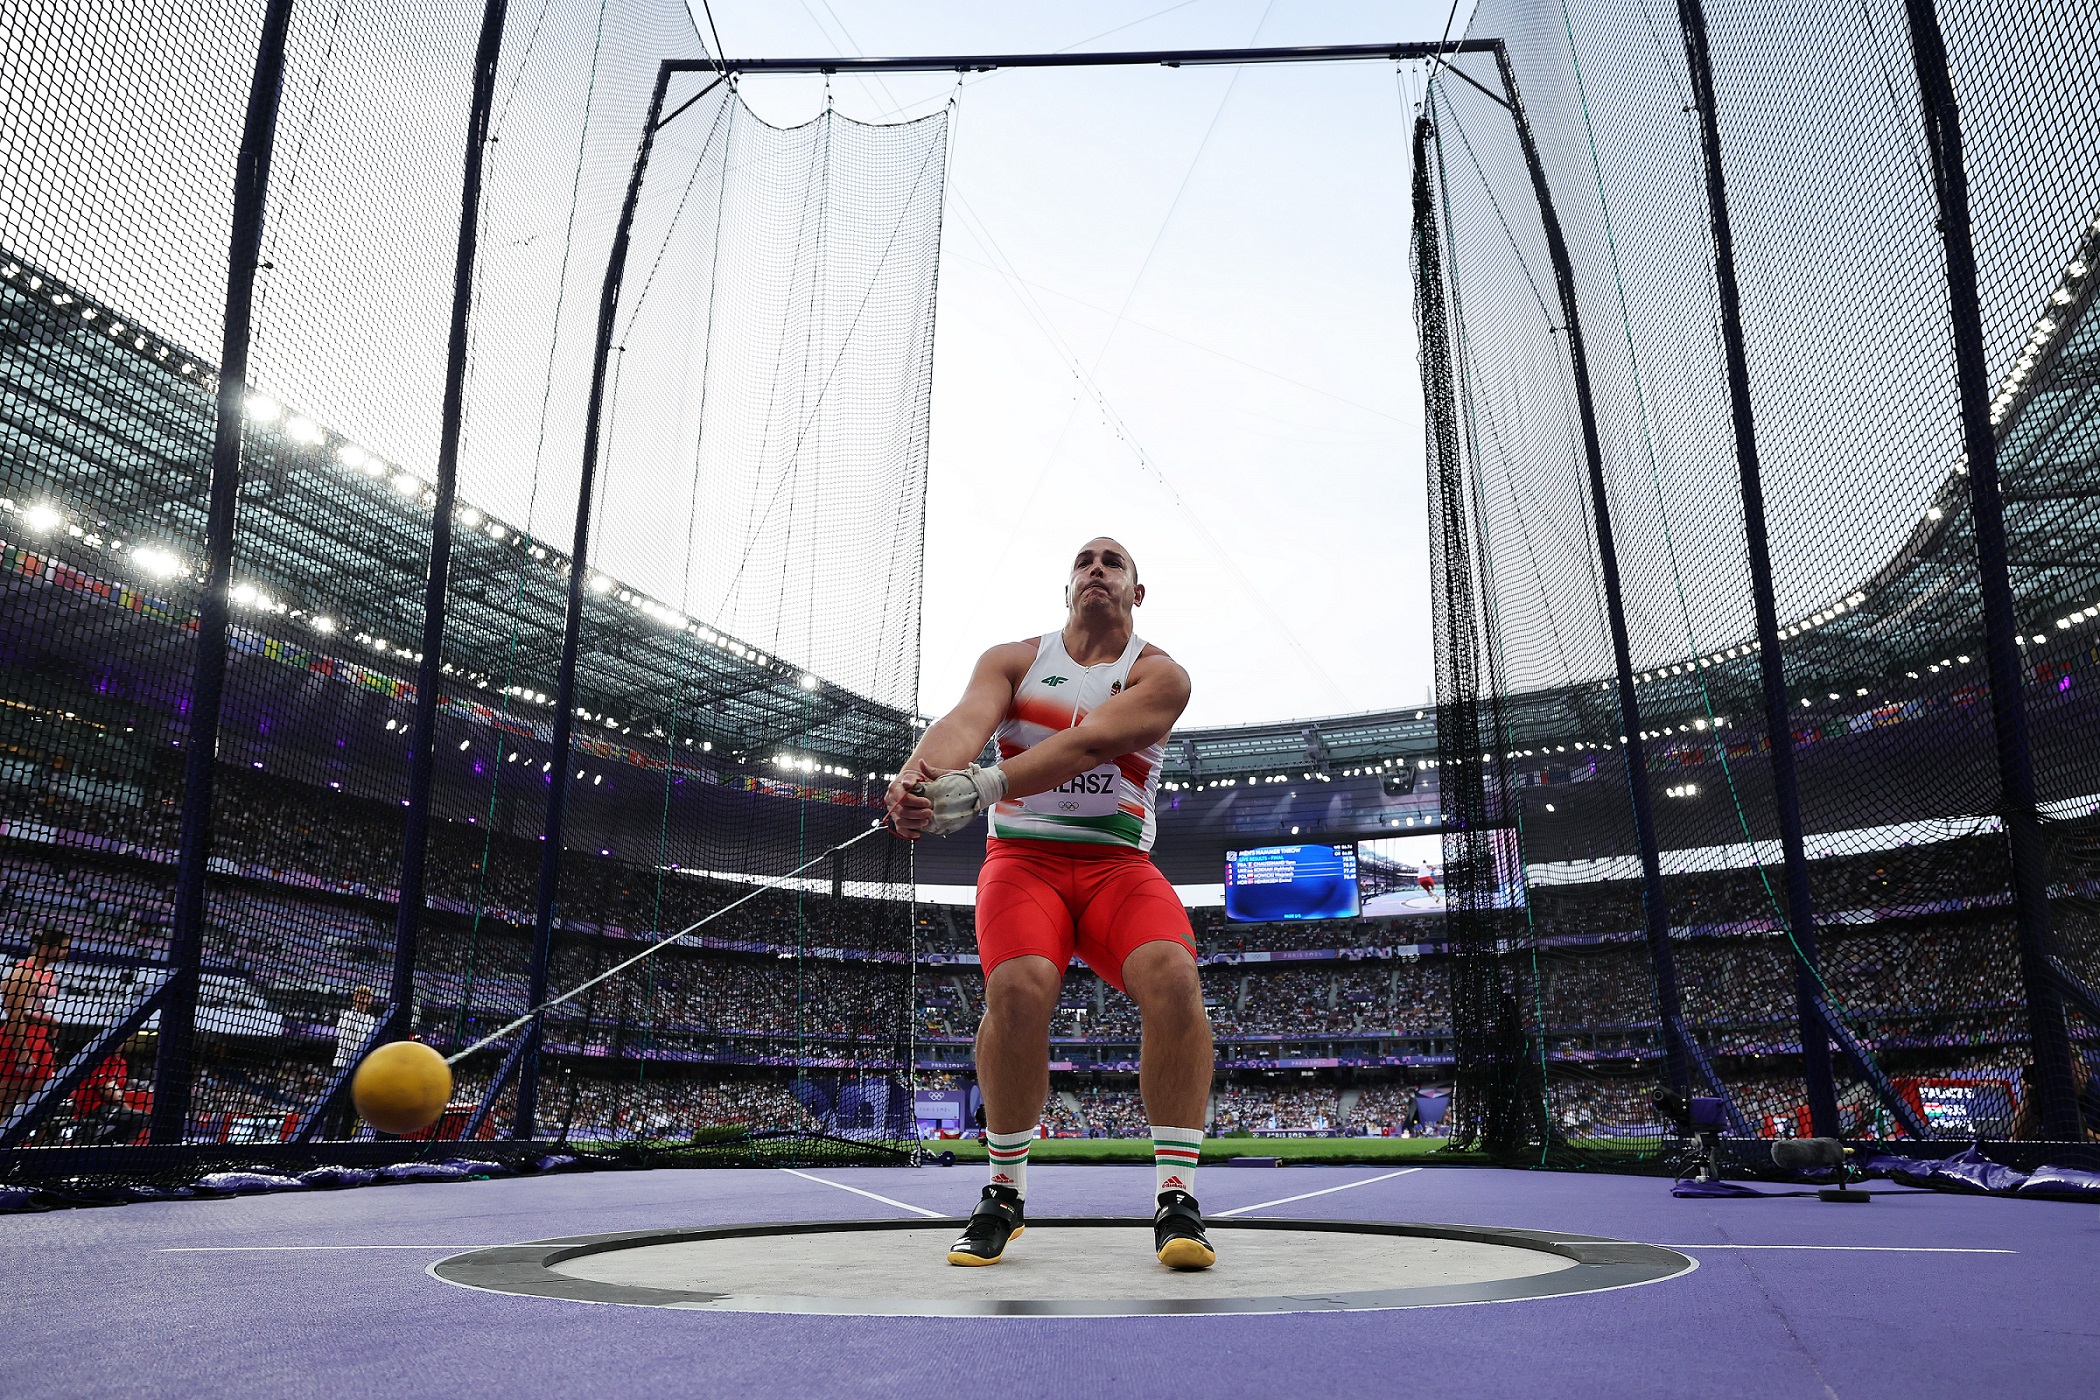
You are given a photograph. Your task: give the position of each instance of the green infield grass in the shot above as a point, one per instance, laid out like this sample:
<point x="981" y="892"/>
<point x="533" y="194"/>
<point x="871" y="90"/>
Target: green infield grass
<point x="1218" y="1150"/>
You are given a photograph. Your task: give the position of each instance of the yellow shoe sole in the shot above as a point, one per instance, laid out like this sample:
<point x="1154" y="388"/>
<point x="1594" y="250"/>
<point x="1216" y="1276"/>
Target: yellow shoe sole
<point x="972" y="1261"/>
<point x="1186" y="1254"/>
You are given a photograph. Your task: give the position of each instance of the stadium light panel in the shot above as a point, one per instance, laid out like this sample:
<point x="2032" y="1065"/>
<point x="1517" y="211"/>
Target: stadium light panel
<point x="261" y="408"/>
<point x="156" y="562"/>
<point x="42" y="519"/>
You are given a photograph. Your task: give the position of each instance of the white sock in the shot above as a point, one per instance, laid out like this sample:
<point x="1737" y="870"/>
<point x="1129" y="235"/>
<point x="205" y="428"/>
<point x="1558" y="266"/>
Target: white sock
<point x="1174" y="1153"/>
<point x="1009" y="1154"/>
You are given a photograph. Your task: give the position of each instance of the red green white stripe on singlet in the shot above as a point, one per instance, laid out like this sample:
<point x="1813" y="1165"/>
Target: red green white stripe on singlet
<point x="1116" y="803"/>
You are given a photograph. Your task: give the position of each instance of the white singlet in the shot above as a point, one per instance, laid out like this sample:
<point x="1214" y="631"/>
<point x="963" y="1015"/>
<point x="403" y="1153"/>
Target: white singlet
<point x="1112" y="805"/>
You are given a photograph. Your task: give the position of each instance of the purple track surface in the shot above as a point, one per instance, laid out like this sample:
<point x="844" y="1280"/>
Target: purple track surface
<point x="176" y="1299"/>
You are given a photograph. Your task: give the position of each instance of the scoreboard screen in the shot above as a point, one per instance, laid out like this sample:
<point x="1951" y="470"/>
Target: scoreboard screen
<point x="1290" y="882"/>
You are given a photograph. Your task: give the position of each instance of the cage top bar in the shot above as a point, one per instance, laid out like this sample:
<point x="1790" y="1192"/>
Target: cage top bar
<point x="1171" y="58"/>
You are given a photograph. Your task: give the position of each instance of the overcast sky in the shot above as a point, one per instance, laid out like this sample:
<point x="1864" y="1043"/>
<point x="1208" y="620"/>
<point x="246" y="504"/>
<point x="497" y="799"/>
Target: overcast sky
<point x="1218" y="256"/>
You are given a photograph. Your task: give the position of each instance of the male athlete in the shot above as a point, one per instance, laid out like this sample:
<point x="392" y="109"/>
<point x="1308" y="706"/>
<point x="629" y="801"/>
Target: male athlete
<point x="1081" y="716"/>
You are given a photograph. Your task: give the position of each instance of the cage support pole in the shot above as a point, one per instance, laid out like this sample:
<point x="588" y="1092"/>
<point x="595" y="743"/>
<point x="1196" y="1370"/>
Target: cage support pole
<point x="1461" y="790"/>
<point x="415" y="847"/>
<point x="2049" y="1035"/>
<point x="251" y="183"/>
<point x="1786" y="785"/>
<point x="1657" y="912"/>
<point x="572" y="624"/>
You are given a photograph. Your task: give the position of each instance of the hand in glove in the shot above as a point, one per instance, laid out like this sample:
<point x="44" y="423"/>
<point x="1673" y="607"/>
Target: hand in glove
<point x="961" y="795"/>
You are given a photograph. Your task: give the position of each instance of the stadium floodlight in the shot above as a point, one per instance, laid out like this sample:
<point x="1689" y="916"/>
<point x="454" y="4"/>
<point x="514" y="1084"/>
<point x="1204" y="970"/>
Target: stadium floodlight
<point x="469" y="517"/>
<point x="305" y="430"/>
<point x="156" y="562"/>
<point x="244" y="593"/>
<point x="42" y="518"/>
<point x="261" y="408"/>
<point x="809" y="682"/>
<point x="497" y="532"/>
<point x="600" y="584"/>
<point x="406" y="484"/>
<point x="465" y="744"/>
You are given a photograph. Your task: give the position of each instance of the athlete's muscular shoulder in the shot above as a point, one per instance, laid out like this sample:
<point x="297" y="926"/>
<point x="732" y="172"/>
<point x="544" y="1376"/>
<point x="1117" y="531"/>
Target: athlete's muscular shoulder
<point x="1155" y="667"/>
<point x="1011" y="659"/>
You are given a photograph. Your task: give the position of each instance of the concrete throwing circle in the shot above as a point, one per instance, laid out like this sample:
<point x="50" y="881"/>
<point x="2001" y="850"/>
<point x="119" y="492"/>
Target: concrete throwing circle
<point x="1077" y="1266"/>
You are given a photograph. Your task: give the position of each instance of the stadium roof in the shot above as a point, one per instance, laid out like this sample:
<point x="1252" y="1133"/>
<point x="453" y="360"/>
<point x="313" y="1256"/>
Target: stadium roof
<point x="334" y="543"/>
<point x="110" y="425"/>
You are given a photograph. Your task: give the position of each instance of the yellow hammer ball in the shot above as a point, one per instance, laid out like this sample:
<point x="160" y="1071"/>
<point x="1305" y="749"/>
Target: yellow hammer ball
<point x="402" y="1087"/>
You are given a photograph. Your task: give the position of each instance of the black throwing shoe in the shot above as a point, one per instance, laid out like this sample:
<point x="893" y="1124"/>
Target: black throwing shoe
<point x="996" y="1220"/>
<point x="1177" y="1233"/>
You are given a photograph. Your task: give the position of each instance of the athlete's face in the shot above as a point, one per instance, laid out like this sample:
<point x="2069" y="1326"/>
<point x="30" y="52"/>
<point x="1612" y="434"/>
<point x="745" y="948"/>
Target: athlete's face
<point x="1103" y="580"/>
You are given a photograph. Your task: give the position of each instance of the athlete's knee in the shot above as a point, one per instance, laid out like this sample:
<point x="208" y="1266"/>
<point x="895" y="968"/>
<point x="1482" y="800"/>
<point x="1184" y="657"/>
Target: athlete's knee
<point x="1162" y="979"/>
<point x="1023" y="990"/>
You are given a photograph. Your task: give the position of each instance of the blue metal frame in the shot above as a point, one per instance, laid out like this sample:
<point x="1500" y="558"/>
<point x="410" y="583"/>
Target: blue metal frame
<point x="37" y="1107"/>
<point x="2048" y="1033"/>
<point x="565" y="679"/>
<point x="1676" y="1051"/>
<point x="1696" y="1054"/>
<point x="178" y="1022"/>
<point x="382" y="1030"/>
<point x="423" y="726"/>
<point x="1779" y="723"/>
<point x="518" y="1053"/>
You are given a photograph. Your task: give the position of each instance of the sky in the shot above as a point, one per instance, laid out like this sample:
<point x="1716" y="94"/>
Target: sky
<point x="1174" y="309"/>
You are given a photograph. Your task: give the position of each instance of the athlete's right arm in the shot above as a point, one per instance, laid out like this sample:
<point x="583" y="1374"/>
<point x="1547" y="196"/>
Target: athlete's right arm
<point x="958" y="737"/>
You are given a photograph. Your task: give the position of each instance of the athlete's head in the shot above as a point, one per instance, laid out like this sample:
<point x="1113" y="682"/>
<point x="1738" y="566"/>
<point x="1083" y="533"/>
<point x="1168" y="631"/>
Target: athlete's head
<point x="1104" y="578"/>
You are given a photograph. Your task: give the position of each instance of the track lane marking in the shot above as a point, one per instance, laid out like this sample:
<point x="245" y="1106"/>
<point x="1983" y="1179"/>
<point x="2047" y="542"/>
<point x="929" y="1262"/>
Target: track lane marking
<point x="1850" y="1248"/>
<point x="1308" y="1195"/>
<point x="841" y="1186"/>
<point x="248" y="1249"/>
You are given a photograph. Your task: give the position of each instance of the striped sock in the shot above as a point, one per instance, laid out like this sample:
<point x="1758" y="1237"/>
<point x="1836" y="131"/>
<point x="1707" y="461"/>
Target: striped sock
<point x="1174" y="1153"/>
<point x="1009" y="1154"/>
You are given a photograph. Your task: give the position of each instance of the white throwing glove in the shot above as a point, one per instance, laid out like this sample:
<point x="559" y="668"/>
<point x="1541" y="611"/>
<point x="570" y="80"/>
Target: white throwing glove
<point x="961" y="795"/>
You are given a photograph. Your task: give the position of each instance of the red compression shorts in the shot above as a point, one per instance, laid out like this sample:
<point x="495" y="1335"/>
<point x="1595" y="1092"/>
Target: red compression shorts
<point x="1052" y="899"/>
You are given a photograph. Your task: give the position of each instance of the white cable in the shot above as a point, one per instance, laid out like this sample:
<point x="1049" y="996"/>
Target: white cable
<point x="658" y="947"/>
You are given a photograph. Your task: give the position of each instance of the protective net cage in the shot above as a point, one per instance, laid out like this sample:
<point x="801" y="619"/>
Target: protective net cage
<point x="1848" y="950"/>
<point x="711" y="334"/>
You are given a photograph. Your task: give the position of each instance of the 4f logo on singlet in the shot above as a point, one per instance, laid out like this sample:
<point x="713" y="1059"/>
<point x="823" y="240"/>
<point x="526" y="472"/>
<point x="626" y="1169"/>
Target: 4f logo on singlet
<point x="1053" y="680"/>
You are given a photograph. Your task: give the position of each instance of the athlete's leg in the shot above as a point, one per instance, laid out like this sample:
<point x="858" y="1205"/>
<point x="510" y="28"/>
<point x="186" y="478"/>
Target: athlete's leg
<point x="1013" y="1041"/>
<point x="1174" y="1066"/>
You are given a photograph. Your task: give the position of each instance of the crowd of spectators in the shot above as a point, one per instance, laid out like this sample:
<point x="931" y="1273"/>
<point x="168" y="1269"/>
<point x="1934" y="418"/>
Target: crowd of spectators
<point x="1924" y="973"/>
<point x="1256" y="1108"/>
<point x="1389" y="1110"/>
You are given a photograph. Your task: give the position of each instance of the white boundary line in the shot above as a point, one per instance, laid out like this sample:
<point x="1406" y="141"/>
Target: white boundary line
<point x="1308" y="1195"/>
<point x="915" y="1210"/>
<point x="1849" y="1248"/>
<point x="250" y="1249"/>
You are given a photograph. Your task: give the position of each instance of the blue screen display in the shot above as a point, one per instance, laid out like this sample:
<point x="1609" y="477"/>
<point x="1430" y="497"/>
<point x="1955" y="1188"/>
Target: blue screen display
<point x="1290" y="882"/>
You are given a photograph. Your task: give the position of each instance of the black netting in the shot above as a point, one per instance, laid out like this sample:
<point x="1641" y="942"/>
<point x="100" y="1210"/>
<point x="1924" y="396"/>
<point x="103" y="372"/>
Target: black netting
<point x="746" y="656"/>
<point x="1907" y="958"/>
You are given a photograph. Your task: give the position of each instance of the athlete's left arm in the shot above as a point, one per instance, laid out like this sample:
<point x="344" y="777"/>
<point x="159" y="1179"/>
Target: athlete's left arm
<point x="1144" y="713"/>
